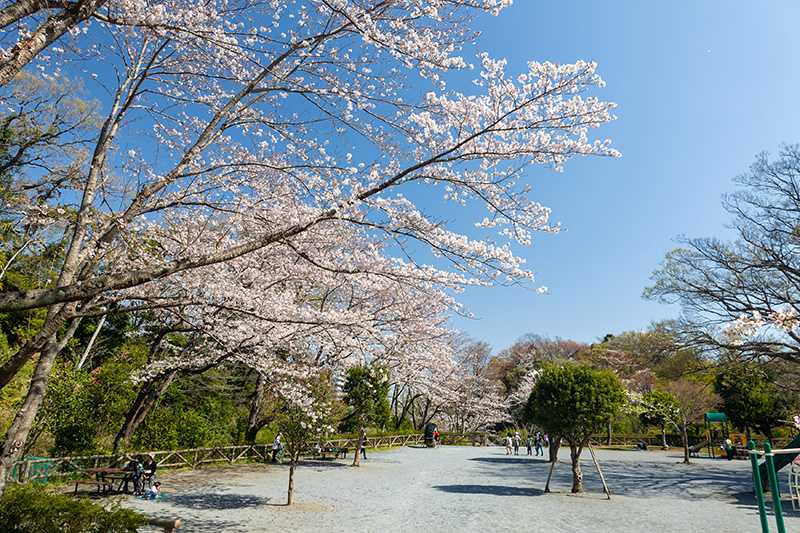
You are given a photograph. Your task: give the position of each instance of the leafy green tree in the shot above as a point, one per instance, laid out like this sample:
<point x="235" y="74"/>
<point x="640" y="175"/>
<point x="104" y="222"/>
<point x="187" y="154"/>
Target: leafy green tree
<point x="573" y="402"/>
<point x="659" y="409"/>
<point x="751" y="399"/>
<point x="366" y="393"/>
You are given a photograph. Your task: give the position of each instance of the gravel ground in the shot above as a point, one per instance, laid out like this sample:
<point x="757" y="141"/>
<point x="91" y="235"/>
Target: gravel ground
<point x="466" y="489"/>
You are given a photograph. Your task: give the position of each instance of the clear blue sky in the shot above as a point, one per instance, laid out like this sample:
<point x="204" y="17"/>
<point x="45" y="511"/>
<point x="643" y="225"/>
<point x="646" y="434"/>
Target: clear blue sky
<point x="702" y="86"/>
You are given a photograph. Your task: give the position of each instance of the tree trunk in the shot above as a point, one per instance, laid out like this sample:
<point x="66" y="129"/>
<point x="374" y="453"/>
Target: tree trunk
<point x="685" y="437"/>
<point x="362" y="435"/>
<point x="291" y="482"/>
<point x="664" y="437"/>
<point x="555" y="443"/>
<point x="17" y="434"/>
<point x="49" y="31"/>
<point x="89" y="346"/>
<point x="146" y="399"/>
<point x="52" y="324"/>
<point x="608" y="434"/>
<point x="577" y="473"/>
<point x="253" y="425"/>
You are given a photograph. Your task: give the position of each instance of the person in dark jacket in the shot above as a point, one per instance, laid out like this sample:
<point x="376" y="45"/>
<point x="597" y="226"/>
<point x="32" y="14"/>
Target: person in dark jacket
<point x="149" y="471"/>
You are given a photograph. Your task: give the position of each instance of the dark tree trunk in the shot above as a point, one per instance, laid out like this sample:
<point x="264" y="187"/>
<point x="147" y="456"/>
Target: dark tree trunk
<point x="146" y="399"/>
<point x="362" y="436"/>
<point x="577" y="473"/>
<point x="34" y="345"/>
<point x="253" y="422"/>
<point x="555" y="443"/>
<point x="17" y="434"/>
<point x="291" y="482"/>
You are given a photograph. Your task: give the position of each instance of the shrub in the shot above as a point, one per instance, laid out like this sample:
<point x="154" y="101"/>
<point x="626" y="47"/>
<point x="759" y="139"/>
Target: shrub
<point x="31" y="509"/>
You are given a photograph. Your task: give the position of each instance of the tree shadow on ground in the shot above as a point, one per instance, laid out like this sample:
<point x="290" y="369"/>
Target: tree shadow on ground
<point x="630" y="478"/>
<point x="213" y="501"/>
<point x="496" y="490"/>
<point x="509" y="460"/>
<point x="637" y="479"/>
<point x="320" y="463"/>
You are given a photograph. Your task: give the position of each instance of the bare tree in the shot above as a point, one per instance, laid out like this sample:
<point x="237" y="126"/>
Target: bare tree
<point x="693" y="400"/>
<point x="741" y="298"/>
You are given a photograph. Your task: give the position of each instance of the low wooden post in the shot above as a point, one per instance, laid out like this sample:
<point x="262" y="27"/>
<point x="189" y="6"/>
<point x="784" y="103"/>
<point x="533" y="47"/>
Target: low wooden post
<point x="170" y="525"/>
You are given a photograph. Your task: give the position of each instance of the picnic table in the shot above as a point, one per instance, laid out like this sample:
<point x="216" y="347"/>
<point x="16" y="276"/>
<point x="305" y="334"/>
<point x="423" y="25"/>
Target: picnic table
<point x="105" y="478"/>
<point x="335" y="450"/>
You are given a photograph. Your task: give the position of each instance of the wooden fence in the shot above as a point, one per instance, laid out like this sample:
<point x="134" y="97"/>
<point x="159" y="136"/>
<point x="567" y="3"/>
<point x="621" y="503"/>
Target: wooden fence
<point x="474" y="439"/>
<point x="60" y="467"/>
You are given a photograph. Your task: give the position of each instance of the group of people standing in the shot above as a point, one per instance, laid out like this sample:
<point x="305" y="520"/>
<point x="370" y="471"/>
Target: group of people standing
<point x="536" y="442"/>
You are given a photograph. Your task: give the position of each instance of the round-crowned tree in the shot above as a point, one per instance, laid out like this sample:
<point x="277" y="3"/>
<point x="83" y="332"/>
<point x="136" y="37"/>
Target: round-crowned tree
<point x="573" y="402"/>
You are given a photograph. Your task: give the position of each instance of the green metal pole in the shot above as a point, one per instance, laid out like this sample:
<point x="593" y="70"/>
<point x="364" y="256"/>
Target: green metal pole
<point x="762" y="511"/>
<point x="776" y="491"/>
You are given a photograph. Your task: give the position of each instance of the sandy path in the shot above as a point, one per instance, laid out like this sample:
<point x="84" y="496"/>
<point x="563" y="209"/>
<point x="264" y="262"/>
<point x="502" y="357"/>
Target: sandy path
<point x="466" y="489"/>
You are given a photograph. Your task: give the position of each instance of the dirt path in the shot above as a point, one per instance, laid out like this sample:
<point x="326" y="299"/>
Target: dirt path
<point x="465" y="489"/>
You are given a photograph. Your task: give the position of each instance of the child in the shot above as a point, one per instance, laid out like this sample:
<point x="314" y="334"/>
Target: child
<point x="152" y="494"/>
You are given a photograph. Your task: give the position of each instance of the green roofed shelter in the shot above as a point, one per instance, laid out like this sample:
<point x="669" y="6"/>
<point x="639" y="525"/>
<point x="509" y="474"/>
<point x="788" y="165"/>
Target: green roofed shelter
<point x="713" y="416"/>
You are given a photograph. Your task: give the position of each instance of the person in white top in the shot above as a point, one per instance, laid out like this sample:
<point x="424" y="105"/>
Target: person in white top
<point x="276" y="447"/>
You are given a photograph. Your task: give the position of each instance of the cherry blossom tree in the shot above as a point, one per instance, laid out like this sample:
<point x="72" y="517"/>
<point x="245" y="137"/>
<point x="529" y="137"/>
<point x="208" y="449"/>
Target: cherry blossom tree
<point x="235" y="129"/>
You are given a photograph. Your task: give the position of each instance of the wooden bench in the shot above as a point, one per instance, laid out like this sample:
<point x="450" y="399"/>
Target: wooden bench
<point x="335" y="451"/>
<point x="118" y="480"/>
<point x="98" y="485"/>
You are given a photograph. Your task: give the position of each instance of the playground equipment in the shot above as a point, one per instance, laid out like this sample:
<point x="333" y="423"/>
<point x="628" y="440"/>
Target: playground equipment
<point x="710" y="418"/>
<point x="772" y="479"/>
<point x="781" y="461"/>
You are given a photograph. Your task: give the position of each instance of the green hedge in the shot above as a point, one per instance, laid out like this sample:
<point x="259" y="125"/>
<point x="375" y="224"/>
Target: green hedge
<point x="31" y="509"/>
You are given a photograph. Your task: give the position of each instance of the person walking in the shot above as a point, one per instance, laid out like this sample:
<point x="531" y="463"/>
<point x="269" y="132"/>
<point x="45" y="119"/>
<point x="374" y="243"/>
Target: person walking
<point x="517" y="440"/>
<point x="529" y="445"/>
<point x="364" y="448"/>
<point x="537" y="441"/>
<point x="276" y="447"/>
<point x="509" y="443"/>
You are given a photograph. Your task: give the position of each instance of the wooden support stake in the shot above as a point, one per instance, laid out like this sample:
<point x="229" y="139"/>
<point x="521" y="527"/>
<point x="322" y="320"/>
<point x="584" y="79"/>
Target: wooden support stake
<point x="552" y="466"/>
<point x="597" y="466"/>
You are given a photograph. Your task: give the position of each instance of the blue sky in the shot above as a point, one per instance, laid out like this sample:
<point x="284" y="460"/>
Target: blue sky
<point x="702" y="87"/>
